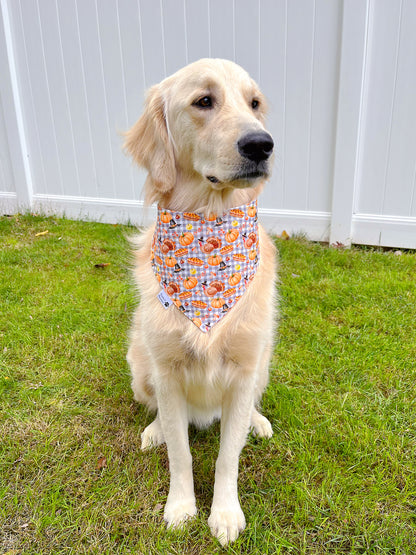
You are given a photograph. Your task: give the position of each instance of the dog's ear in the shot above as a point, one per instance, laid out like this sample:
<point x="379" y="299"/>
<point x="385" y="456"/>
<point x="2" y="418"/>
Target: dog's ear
<point x="149" y="145"/>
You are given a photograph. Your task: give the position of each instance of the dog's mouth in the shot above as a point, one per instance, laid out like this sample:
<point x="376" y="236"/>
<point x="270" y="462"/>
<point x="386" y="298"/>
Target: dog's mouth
<point x="250" y="175"/>
<point x="241" y="176"/>
<point x="213" y="179"/>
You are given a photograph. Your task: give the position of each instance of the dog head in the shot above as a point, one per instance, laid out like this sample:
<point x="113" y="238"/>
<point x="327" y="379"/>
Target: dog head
<point x="204" y="127"/>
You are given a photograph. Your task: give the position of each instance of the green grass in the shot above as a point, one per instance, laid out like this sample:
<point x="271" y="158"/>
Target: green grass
<point x="339" y="474"/>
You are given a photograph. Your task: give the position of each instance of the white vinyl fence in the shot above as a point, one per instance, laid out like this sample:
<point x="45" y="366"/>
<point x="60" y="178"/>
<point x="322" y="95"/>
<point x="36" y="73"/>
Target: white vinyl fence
<point x="340" y="76"/>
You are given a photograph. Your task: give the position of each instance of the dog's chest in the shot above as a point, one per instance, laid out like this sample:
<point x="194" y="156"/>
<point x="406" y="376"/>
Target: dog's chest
<point x="204" y="383"/>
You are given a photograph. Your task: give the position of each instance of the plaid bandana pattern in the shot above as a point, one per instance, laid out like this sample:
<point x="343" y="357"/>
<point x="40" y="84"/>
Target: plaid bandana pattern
<point x="204" y="265"/>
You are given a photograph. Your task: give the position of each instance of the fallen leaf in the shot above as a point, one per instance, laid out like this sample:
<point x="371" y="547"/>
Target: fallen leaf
<point x="284" y="235"/>
<point x="41" y="233"/>
<point x="102" y="265"/>
<point x="101" y="463"/>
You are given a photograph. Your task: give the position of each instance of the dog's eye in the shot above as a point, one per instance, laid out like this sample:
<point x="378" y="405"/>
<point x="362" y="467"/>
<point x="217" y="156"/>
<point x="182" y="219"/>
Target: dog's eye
<point x="204" y="102"/>
<point x="255" y="103"/>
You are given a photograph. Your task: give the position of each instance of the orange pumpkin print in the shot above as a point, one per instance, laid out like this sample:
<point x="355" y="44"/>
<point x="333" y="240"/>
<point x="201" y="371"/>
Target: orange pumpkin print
<point x="214" y="260"/>
<point x="170" y="261"/>
<point x="165" y="216"/>
<point x="217" y="303"/>
<point x="252" y="254"/>
<point x="234" y="278"/>
<point x="231" y="235"/>
<point x="186" y="239"/>
<point x="252" y="211"/>
<point x="190" y="282"/>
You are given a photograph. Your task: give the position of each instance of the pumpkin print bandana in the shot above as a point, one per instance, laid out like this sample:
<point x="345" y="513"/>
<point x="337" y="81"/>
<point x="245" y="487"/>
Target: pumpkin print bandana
<point x="205" y="265"/>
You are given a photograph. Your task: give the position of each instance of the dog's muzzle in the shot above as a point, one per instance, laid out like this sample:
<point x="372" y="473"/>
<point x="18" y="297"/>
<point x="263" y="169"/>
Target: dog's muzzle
<point x="255" y="148"/>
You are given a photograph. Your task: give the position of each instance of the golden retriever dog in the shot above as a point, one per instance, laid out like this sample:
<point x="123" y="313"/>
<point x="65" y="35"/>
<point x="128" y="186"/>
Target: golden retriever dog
<point x="203" y="142"/>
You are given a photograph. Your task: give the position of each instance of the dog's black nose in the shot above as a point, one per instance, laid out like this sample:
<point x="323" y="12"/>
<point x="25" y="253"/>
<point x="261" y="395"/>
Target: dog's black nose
<point x="256" y="146"/>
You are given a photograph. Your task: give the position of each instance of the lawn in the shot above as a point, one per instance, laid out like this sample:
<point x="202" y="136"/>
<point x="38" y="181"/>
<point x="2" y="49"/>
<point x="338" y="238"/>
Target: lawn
<point x="339" y="474"/>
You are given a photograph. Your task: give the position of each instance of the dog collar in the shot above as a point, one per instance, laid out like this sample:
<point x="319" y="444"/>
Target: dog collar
<point x="204" y="265"/>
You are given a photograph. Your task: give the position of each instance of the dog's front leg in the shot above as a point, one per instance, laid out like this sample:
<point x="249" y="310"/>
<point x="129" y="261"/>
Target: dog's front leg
<point x="227" y="519"/>
<point x="172" y="411"/>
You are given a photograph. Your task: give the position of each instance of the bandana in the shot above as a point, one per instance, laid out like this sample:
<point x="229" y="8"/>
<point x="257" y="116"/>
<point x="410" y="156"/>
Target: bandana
<point x="204" y="265"/>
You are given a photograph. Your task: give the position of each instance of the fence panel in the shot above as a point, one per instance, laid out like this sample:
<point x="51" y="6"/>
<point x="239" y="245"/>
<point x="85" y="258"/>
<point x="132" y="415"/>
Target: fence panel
<point x="340" y="78"/>
<point x="15" y="174"/>
<point x="385" y="200"/>
<point x="6" y="173"/>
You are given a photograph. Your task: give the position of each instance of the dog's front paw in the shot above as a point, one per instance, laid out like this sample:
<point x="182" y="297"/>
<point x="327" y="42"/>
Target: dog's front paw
<point x="226" y="523"/>
<point x="178" y="511"/>
<point x="152" y="436"/>
<point x="260" y="425"/>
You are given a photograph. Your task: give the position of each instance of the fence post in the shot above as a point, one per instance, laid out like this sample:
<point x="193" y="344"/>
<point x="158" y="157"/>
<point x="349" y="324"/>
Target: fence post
<point x="13" y="112"/>
<point x="349" y="116"/>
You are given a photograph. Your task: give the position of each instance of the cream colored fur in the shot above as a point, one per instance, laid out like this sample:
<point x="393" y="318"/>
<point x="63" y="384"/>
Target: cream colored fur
<point x="180" y="372"/>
